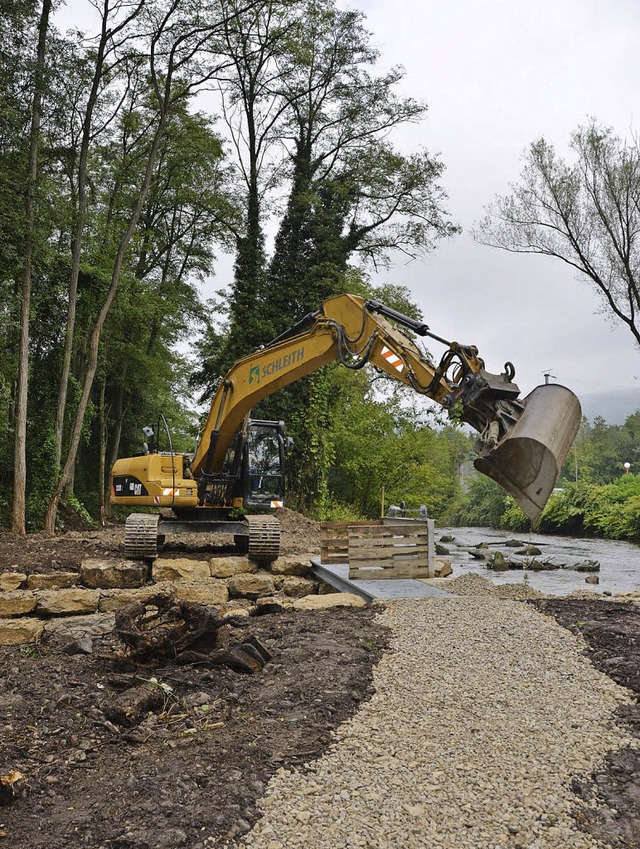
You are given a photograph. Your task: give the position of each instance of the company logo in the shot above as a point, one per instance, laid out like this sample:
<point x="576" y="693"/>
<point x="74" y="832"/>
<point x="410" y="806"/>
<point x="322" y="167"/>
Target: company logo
<point x="258" y="373"/>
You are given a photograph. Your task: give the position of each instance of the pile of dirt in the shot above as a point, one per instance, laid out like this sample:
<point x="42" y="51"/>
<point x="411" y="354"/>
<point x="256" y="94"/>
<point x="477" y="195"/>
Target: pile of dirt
<point x="299" y="534"/>
<point x="191" y="772"/>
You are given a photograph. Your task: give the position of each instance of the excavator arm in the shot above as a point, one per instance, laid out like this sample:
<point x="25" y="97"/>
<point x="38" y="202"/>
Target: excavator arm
<point x="522" y="443"/>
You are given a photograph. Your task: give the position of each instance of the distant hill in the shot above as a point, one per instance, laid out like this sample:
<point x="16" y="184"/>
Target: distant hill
<point x="614" y="406"/>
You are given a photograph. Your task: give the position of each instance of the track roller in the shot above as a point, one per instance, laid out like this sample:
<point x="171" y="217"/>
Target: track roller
<point x="141" y="536"/>
<point x="264" y="538"/>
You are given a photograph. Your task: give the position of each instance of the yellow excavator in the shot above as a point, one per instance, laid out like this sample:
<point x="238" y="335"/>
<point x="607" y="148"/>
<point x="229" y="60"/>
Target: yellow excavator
<point x="239" y="461"/>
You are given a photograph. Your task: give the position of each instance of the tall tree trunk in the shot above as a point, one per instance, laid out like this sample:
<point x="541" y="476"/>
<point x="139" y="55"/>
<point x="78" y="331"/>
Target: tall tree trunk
<point x="103" y="450"/>
<point x="115" y="445"/>
<point x="20" y="451"/>
<point x="78" y="233"/>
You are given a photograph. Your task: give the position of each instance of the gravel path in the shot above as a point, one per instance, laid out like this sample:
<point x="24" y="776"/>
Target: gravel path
<point x="483" y="713"/>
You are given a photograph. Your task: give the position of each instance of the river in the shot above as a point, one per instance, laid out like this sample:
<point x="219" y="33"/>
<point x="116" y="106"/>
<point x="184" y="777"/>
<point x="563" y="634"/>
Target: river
<point x="619" y="561"/>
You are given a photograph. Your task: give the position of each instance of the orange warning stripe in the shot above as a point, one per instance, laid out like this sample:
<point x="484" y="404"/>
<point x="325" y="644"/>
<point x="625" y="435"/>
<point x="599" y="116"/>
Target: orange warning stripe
<point x="392" y="358"/>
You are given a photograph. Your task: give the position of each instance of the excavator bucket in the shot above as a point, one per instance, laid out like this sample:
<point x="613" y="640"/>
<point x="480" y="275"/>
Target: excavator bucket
<point x="528" y="461"/>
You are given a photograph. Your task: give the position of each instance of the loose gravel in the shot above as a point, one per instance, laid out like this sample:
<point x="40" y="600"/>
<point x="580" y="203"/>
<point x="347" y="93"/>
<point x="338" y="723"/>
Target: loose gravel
<point x="484" y="712"/>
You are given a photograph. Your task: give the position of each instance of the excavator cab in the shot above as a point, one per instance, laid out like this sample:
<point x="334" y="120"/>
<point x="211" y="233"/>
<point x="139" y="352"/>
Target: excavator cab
<point x="263" y="472"/>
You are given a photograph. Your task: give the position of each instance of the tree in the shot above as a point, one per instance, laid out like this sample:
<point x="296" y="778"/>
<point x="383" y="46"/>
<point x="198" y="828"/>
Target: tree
<point x="20" y="449"/>
<point x="352" y="195"/>
<point x="585" y="213"/>
<point x="180" y="60"/>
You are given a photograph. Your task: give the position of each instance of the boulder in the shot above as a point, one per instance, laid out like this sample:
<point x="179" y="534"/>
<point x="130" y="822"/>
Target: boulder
<point x="180" y="569"/>
<point x="324" y="602"/>
<point x="113" y="574"/>
<point x="10" y="581"/>
<point x="112" y="600"/>
<point x="443" y="568"/>
<point x="236" y="607"/>
<point x="226" y="567"/>
<point x="592" y="579"/>
<point x="67" y="601"/>
<point x="513" y="543"/>
<point x="17" y="632"/>
<point x="251" y="585"/>
<point x="53" y="581"/>
<point x="296" y="587"/>
<point x="17" y="603"/>
<point x="211" y="592"/>
<point x="293" y="564"/>
<point x="272" y="604"/>
<point x="498" y="562"/>
<point x="529" y="551"/>
<point x="441" y="550"/>
<point x="80" y="627"/>
<point x="447" y="538"/>
<point x="586" y="566"/>
<point x="542" y="566"/>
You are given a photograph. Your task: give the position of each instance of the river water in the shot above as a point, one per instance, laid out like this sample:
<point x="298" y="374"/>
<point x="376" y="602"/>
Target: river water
<point x="619" y="561"/>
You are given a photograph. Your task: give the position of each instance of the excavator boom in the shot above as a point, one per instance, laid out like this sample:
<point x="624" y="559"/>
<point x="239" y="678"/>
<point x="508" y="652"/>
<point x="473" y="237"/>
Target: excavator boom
<point x="522" y="443"/>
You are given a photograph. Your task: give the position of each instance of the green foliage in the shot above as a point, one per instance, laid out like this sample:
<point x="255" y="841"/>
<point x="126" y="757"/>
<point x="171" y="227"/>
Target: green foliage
<point x="482" y="504"/>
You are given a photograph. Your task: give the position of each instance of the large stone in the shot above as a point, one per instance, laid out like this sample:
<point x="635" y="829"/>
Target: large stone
<point x="272" y="604"/>
<point x="236" y="607"/>
<point x="251" y="585"/>
<point x="211" y="592"/>
<point x="226" y="567"/>
<point x="67" y="601"/>
<point x="17" y="603"/>
<point x="323" y="602"/>
<point x="17" y="632"/>
<point x="80" y="627"/>
<point x="293" y="564"/>
<point x="53" y="581"/>
<point x="442" y="568"/>
<point x="296" y="587"/>
<point x="10" y="581"/>
<point x="111" y="600"/>
<point x="113" y="574"/>
<point x="180" y="569"/>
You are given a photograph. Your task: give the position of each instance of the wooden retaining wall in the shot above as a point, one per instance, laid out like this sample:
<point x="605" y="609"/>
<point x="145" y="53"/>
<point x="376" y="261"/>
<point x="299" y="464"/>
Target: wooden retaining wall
<point x="381" y="549"/>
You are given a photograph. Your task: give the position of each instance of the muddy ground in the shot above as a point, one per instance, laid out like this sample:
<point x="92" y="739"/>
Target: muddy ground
<point x="191" y="772"/>
<point x="612" y="633"/>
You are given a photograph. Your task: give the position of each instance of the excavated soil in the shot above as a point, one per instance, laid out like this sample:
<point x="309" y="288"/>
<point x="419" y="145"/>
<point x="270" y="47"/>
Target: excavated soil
<point x="190" y="774"/>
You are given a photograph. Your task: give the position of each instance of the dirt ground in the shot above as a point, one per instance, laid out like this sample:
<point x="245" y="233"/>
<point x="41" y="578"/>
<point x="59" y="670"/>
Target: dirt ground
<point x="44" y="553"/>
<point x="612" y="633"/>
<point x="191" y="772"/>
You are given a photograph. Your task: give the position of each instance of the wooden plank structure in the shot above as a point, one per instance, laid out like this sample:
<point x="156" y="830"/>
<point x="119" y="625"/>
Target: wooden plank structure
<point x="384" y="548"/>
<point x="334" y="539"/>
<point x="389" y="551"/>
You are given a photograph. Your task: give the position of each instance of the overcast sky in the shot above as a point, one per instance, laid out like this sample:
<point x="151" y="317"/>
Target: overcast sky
<point x="496" y="75"/>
